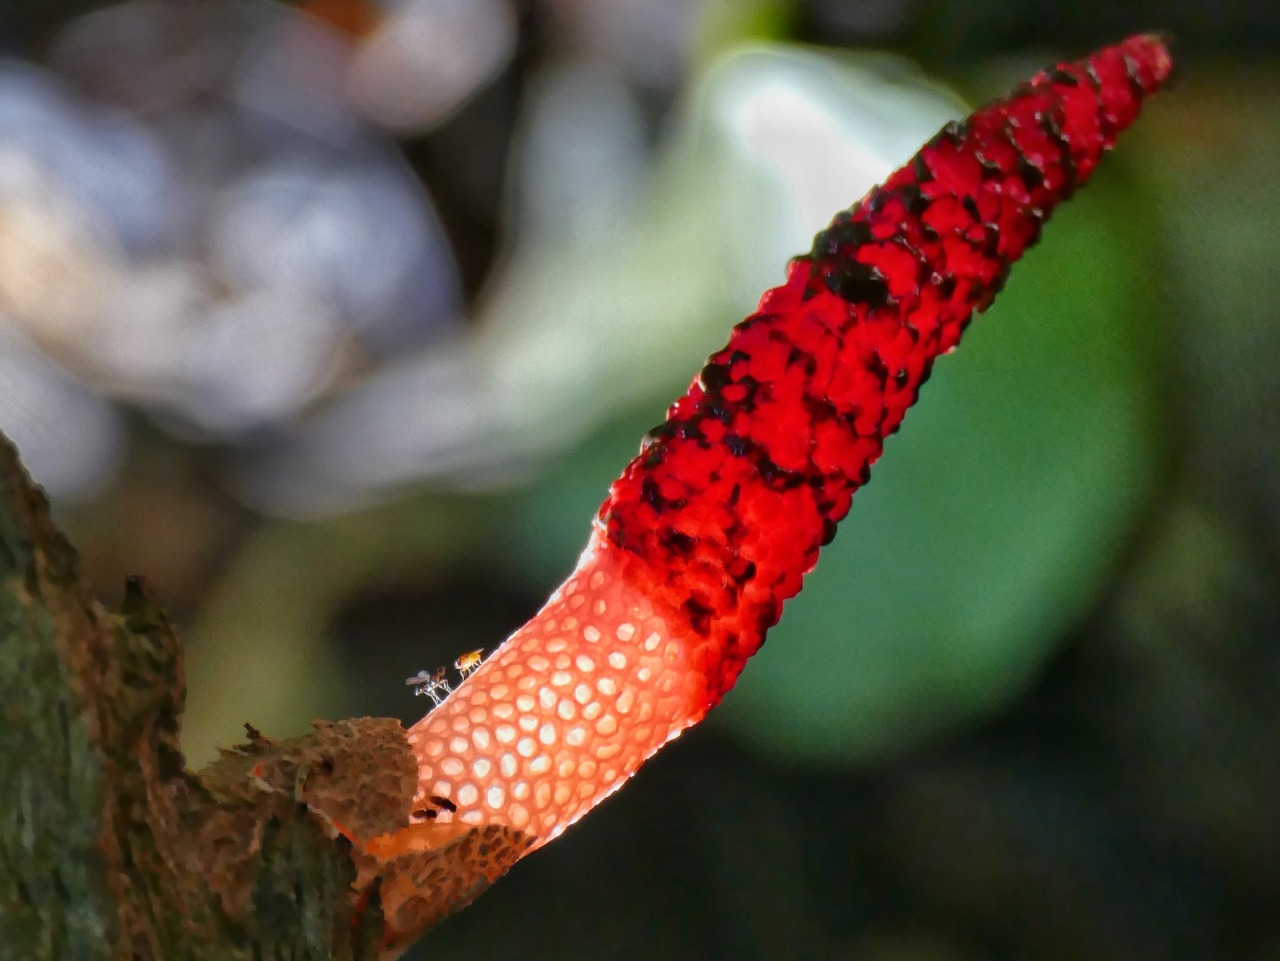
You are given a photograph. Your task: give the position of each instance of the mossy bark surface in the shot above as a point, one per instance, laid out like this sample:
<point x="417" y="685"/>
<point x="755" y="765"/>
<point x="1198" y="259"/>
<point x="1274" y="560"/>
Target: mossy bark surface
<point x="109" y="847"/>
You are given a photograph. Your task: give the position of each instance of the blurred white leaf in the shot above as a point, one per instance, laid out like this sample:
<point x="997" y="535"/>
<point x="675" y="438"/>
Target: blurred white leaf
<point x="426" y="57"/>
<point x="362" y="237"/>
<point x="70" y="439"/>
<point x="194" y="221"/>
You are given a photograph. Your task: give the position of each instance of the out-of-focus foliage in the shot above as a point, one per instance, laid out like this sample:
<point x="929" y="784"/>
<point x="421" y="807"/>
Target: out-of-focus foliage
<point x="261" y="260"/>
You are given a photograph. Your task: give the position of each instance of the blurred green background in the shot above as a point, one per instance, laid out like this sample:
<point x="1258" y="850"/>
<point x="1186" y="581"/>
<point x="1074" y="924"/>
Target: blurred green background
<point x="1028" y="705"/>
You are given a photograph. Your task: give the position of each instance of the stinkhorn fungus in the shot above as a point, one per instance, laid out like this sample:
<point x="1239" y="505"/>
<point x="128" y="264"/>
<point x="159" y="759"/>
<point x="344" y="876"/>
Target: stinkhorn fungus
<point x="714" y="525"/>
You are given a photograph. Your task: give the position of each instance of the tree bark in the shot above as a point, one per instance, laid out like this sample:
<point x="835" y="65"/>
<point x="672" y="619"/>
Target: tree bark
<point x="109" y="847"/>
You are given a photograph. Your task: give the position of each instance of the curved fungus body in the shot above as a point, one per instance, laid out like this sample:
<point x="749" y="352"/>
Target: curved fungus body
<point x="712" y="527"/>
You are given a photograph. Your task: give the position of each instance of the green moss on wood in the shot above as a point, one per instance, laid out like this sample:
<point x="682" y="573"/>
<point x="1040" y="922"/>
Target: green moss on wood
<point x="109" y="847"/>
